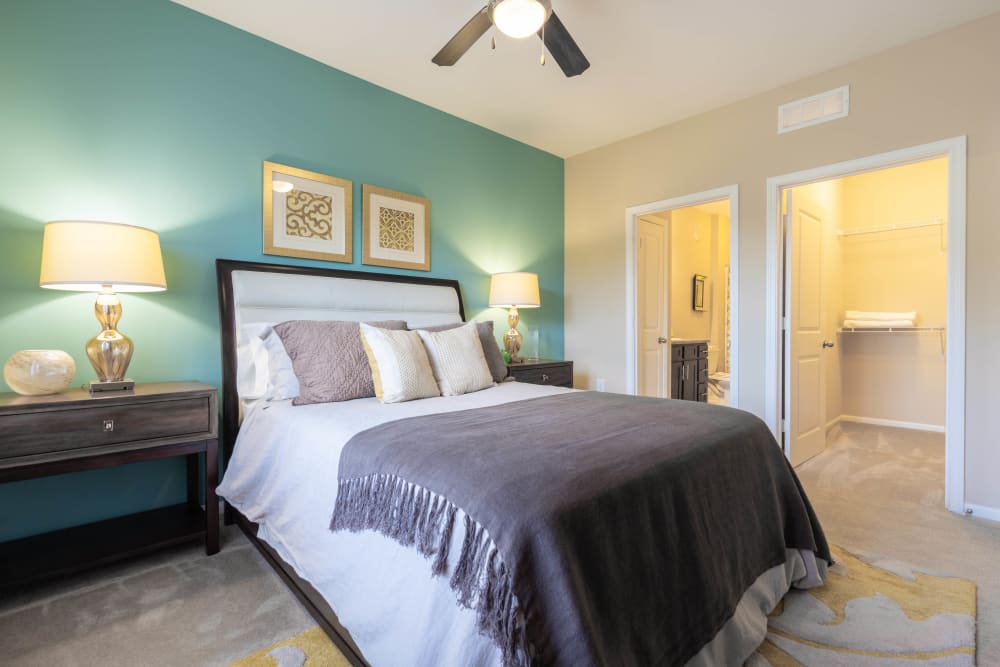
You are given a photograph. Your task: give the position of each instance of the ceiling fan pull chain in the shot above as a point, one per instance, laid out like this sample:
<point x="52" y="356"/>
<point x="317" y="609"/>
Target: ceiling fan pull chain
<point x="543" y="44"/>
<point x="493" y="41"/>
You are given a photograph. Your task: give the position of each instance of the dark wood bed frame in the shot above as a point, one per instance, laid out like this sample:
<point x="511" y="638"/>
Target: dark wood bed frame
<point x="303" y="590"/>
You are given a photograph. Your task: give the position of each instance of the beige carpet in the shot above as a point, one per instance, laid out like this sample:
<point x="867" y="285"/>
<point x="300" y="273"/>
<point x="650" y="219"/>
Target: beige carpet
<point x="864" y="616"/>
<point x="878" y="492"/>
<point x="175" y="608"/>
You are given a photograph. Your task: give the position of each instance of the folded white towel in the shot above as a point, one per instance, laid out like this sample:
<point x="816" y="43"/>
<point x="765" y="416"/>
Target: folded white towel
<point x="865" y="315"/>
<point x="877" y="324"/>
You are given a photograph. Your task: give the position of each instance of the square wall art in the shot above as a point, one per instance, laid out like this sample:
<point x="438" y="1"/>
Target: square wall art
<point x="396" y="229"/>
<point x="306" y="214"/>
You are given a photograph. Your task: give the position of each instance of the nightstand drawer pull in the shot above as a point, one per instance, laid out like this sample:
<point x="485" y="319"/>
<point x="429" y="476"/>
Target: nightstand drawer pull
<point x="545" y="377"/>
<point x="109" y="425"/>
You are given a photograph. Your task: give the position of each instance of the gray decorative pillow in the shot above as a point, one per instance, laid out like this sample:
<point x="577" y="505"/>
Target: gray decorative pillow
<point x="494" y="358"/>
<point x="329" y="359"/>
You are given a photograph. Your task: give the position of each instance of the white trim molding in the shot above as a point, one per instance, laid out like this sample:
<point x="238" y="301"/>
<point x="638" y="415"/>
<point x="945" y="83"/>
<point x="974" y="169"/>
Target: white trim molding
<point x="632" y="215"/>
<point x="892" y="423"/>
<point x="955" y="150"/>
<point x="983" y="512"/>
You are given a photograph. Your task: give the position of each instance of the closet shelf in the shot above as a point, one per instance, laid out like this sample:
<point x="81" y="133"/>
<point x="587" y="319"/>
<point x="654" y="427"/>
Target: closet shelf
<point x="890" y="329"/>
<point x="936" y="222"/>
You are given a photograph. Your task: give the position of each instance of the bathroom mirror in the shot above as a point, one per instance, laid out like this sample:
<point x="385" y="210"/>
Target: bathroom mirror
<point x="698" y="300"/>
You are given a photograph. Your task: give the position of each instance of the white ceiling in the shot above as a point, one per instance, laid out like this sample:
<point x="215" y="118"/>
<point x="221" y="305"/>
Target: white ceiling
<point x="653" y="62"/>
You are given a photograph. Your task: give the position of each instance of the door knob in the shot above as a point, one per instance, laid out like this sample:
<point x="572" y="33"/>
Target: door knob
<point x="828" y="343"/>
<point x="661" y="340"/>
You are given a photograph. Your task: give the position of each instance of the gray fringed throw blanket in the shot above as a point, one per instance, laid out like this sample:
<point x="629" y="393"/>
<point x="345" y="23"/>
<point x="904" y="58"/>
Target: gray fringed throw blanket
<point x="599" y="529"/>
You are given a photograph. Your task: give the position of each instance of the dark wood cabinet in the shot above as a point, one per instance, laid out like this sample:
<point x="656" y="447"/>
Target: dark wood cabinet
<point x="543" y="371"/>
<point x="689" y="370"/>
<point x="74" y="431"/>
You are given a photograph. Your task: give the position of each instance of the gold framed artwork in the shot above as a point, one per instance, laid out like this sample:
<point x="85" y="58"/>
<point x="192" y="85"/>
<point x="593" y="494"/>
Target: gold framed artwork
<point x="307" y="214"/>
<point x="698" y="293"/>
<point x="396" y="229"/>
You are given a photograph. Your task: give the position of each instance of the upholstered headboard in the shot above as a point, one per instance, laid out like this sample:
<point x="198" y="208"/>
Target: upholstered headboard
<point x="252" y="292"/>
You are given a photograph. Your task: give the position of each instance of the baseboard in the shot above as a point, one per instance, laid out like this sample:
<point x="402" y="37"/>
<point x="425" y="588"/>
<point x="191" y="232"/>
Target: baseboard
<point x="891" y="422"/>
<point x="983" y="512"/>
<point x="833" y="422"/>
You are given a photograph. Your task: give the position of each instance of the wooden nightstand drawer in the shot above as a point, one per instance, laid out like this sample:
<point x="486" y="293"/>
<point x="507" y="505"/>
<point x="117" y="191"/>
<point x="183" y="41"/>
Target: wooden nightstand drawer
<point x="58" y="430"/>
<point x="555" y="373"/>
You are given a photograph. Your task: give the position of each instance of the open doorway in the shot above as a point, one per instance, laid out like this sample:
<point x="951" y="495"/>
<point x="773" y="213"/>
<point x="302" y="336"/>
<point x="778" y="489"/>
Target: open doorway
<point x="869" y="307"/>
<point x="683" y="278"/>
<point x="866" y="300"/>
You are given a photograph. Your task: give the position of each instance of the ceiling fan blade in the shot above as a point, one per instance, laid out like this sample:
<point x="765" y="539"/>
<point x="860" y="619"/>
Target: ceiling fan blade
<point x="463" y="39"/>
<point x="563" y="48"/>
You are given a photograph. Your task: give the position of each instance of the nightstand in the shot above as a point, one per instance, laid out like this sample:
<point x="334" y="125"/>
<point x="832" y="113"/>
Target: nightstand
<point x="543" y="371"/>
<point x="74" y="431"/>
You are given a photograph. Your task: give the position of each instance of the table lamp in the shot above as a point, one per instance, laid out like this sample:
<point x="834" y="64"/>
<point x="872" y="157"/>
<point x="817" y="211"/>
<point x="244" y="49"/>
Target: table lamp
<point x="106" y="258"/>
<point x="514" y="290"/>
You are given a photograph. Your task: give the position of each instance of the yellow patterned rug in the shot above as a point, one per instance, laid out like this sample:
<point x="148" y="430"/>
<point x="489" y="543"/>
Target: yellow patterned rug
<point x="868" y="616"/>
<point x="864" y="616"/>
<point x="311" y="648"/>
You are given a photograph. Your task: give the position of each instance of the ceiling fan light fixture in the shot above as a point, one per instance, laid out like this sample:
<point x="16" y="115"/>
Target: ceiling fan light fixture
<point x="519" y="18"/>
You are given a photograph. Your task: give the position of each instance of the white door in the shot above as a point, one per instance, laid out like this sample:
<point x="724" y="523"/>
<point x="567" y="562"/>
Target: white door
<point x="805" y="376"/>
<point x="652" y="308"/>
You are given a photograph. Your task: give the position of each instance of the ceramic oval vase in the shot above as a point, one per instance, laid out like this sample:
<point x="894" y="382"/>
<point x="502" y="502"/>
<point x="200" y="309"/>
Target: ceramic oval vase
<point x="38" y="372"/>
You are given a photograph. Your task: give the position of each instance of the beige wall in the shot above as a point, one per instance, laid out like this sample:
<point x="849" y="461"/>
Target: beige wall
<point x="939" y="87"/>
<point x="896" y="376"/>
<point x="690" y="253"/>
<point x="901" y="270"/>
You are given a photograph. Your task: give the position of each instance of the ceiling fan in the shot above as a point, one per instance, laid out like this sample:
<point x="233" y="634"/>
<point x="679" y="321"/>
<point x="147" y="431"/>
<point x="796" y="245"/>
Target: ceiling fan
<point x="518" y="19"/>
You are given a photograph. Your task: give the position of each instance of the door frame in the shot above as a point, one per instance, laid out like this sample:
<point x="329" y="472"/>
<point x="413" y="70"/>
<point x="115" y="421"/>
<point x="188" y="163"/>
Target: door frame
<point x="775" y="372"/>
<point x="632" y="215"/>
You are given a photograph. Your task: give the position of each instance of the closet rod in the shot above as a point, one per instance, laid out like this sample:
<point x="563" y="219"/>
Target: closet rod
<point x="889" y="329"/>
<point x="937" y="222"/>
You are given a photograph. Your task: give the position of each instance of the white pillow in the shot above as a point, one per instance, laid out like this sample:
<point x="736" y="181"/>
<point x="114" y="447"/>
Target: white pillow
<point x="282" y="382"/>
<point x="400" y="368"/>
<point x="457" y="359"/>
<point x="264" y="369"/>
<point x="251" y="363"/>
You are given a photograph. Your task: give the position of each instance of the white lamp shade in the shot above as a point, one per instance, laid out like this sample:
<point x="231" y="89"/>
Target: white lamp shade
<point x="519" y="18"/>
<point x="514" y="290"/>
<point x="87" y="256"/>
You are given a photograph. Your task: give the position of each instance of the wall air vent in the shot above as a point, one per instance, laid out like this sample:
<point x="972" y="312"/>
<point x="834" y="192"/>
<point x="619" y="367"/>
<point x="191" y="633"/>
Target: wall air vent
<point x="831" y="105"/>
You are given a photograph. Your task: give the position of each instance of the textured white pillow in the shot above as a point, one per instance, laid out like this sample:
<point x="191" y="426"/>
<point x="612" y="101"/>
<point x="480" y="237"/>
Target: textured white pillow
<point x="282" y="382"/>
<point x="457" y="359"/>
<point x="264" y="369"/>
<point x="251" y="362"/>
<point x="400" y="368"/>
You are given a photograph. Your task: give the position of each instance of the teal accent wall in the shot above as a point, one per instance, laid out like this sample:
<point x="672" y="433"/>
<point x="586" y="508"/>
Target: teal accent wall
<point x="145" y="112"/>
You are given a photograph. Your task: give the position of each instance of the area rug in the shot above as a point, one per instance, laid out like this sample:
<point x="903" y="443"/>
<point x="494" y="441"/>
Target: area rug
<point x="864" y="616"/>
<point x="868" y="616"/>
<point x="311" y="648"/>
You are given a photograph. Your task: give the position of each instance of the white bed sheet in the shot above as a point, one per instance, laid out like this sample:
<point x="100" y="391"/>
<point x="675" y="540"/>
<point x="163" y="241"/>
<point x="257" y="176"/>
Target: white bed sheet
<point x="283" y="475"/>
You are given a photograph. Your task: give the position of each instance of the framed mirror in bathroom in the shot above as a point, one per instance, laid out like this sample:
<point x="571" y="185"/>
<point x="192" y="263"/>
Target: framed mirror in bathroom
<point x="698" y="293"/>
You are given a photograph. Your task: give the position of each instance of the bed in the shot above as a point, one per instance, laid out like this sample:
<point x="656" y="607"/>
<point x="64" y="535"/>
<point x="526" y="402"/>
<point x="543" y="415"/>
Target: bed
<point x="368" y="581"/>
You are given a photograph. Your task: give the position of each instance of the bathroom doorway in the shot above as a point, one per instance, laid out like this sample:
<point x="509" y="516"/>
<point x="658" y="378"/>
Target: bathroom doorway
<point x="684" y="332"/>
<point x="868" y="307"/>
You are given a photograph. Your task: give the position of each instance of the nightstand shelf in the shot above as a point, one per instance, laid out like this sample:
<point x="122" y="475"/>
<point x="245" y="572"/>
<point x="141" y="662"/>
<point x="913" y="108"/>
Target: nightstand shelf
<point x="47" y="555"/>
<point x="42" y="436"/>
<point x="543" y="371"/>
